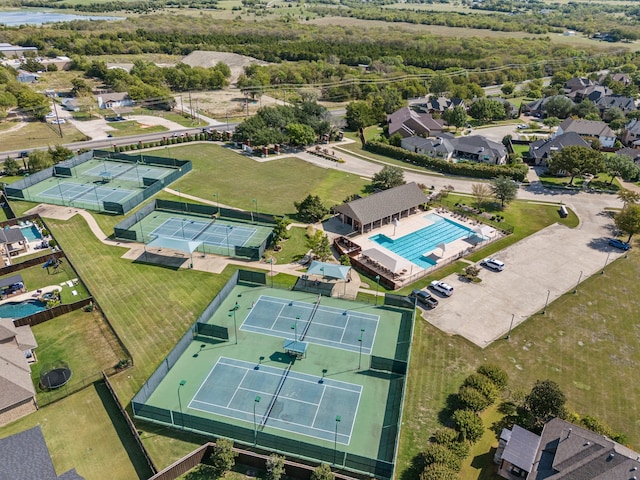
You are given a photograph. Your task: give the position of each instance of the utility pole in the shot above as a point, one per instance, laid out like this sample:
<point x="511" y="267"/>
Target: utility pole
<point x="55" y="109"/>
<point x="190" y="106"/>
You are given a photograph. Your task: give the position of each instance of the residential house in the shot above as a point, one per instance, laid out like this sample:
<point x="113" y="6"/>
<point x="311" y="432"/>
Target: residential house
<point x="631" y="135"/>
<point x="624" y="103"/>
<point x="537" y="108"/>
<point x="478" y="149"/>
<point x="17" y="393"/>
<point x="441" y="147"/>
<point x="576" y="83"/>
<point x="632" y="153"/>
<point x="12" y="241"/>
<point x="622" y="78"/>
<point x="565" y="451"/>
<point x="542" y="150"/>
<point x="510" y="110"/>
<point x="11" y="51"/>
<point x="25" y="456"/>
<point x="114" y="100"/>
<point x="408" y="123"/>
<point x="27" y="77"/>
<point x="593" y="93"/>
<point x="589" y="129"/>
<point x="441" y="104"/>
<point x="71" y="104"/>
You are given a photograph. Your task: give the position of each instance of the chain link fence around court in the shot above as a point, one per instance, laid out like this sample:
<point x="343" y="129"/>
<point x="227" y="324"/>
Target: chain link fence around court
<point x="223" y="225"/>
<point x="100" y="180"/>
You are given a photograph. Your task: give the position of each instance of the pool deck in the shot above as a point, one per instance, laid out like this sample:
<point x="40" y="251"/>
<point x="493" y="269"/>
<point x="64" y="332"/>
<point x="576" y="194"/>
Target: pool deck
<point x="31" y="295"/>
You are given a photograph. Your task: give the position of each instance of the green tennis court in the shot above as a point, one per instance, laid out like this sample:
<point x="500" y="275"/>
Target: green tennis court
<point x="208" y="232"/>
<point x="85" y="192"/>
<point x="314" y="323"/>
<point x="291" y="401"/>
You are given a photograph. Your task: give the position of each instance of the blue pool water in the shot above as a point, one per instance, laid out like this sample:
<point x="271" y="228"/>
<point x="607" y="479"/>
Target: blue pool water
<point x="31" y="233"/>
<point x="412" y="246"/>
<point x="21" y="309"/>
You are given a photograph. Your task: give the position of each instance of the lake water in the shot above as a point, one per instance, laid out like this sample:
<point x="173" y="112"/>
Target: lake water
<point x="22" y="17"/>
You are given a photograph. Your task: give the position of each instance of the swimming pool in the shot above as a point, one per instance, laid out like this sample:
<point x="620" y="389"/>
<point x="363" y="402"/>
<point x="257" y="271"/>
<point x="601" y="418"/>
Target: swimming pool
<point x="31" y="233"/>
<point x="21" y="309"/>
<point x="413" y="246"/>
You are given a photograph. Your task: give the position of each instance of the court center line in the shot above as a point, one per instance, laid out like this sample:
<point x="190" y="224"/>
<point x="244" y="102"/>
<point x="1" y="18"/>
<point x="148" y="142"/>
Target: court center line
<point x="280" y="396"/>
<point x="237" y="388"/>
<point x="277" y="316"/>
<point x="318" y="409"/>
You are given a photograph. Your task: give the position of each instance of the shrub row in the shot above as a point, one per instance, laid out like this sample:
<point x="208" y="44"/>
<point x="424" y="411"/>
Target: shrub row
<point x="442" y="457"/>
<point x="196" y="137"/>
<point x="517" y="172"/>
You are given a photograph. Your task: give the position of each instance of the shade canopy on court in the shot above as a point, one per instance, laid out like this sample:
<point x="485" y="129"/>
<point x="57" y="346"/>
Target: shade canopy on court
<point x="393" y="264"/>
<point x="329" y="270"/>
<point x="171" y="243"/>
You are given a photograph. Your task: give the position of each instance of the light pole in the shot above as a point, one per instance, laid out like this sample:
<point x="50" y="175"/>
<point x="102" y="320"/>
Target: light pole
<point x="255" y="200"/>
<point x="546" y="302"/>
<point x="271" y="262"/>
<point x="60" y="189"/>
<point x="575" y="290"/>
<point x="215" y="195"/>
<point x="360" y="350"/>
<point x="182" y="228"/>
<point x="228" y="247"/>
<point x="513" y="315"/>
<point x="232" y="312"/>
<point x="605" y="263"/>
<point x="335" y="439"/>
<point x="256" y="401"/>
<point x="181" y="384"/>
<point x="377" y="286"/>
<point x="294" y="327"/>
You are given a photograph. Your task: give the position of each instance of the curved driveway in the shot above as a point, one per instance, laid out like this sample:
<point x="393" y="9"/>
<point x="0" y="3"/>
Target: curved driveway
<point x="544" y="265"/>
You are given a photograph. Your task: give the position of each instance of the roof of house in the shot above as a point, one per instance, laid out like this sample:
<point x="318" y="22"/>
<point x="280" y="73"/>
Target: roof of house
<point x="474" y="144"/>
<point x="397" y="119"/>
<point x="25" y="456"/>
<point x="577" y="83"/>
<point x="567" y="451"/>
<point x="587" y="127"/>
<point x="11" y="235"/>
<point x="626" y="104"/>
<point x="444" y="143"/>
<point x="383" y="204"/>
<point x="632" y="153"/>
<point x="112" y="97"/>
<point x="544" y="148"/>
<point x="521" y="448"/>
<point x="633" y="126"/>
<point x="16" y="385"/>
<point x="13" y="279"/>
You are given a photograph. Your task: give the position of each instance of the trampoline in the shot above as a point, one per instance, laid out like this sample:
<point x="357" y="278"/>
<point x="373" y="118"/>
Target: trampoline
<point x="55" y="375"/>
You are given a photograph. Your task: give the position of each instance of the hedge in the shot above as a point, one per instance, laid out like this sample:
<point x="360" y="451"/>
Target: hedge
<point x="517" y="172"/>
<point x="214" y="136"/>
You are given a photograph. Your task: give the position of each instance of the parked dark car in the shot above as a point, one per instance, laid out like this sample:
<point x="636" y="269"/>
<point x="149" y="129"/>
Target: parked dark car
<point x="614" y="242"/>
<point x="425" y="298"/>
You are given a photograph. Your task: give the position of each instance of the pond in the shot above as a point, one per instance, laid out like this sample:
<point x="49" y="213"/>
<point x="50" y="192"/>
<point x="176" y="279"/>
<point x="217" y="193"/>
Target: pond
<point x="26" y="17"/>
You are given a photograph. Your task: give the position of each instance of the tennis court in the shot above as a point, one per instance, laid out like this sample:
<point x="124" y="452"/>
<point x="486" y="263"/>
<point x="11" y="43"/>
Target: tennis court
<point x="85" y="192"/>
<point x="313" y="323"/>
<point x="268" y="396"/>
<point x="126" y="171"/>
<point x="208" y="232"/>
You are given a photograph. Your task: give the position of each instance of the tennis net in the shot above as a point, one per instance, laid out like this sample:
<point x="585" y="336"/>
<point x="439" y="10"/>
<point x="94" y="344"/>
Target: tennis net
<point x="206" y="226"/>
<point x="75" y="197"/>
<point x="275" y="395"/>
<point x="124" y="172"/>
<point x="313" y="314"/>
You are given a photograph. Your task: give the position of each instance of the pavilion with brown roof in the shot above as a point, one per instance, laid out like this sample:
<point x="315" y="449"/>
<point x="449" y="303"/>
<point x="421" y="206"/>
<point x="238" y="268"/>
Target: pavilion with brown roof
<point x="381" y="208"/>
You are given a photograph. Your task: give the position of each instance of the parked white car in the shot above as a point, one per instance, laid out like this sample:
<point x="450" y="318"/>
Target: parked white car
<point x="441" y="287"/>
<point x="493" y="263"/>
<point x="60" y="121"/>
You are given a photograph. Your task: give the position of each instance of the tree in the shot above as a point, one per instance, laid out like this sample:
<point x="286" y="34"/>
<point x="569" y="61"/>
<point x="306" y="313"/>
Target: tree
<point x="388" y="177"/>
<point x="222" y="458"/>
<point x="586" y="108"/>
<point x="628" y="220"/>
<point x="504" y="189"/>
<point x="280" y="231"/>
<point x="545" y="401"/>
<point x="440" y="84"/>
<point x="487" y="109"/>
<point x="275" y="467"/>
<point x="319" y="244"/>
<point x="436" y="453"/>
<point x="621" y="166"/>
<point x="300" y="134"/>
<point x="628" y="196"/>
<point x="38" y="160"/>
<point x="322" y="472"/>
<point x="438" y="471"/>
<point x="359" y="115"/>
<point x="311" y="209"/>
<point x="494" y="373"/>
<point x="559" y="106"/>
<point x="468" y="424"/>
<point x="576" y="160"/>
<point x="481" y="192"/>
<point x="508" y="88"/>
<point x="472" y="399"/>
<point x="456" y="116"/>
<point x="11" y="166"/>
<point x="59" y="154"/>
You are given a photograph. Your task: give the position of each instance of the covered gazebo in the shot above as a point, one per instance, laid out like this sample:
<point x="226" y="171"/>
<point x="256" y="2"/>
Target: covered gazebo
<point x="171" y="243"/>
<point x="382" y="208"/>
<point x="327" y="271"/>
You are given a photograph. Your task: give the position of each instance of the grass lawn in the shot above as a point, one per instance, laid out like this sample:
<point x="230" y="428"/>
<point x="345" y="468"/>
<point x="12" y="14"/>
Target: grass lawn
<point x="83" y="431"/>
<point x="124" y="129"/>
<point x="38" y="134"/>
<point x="173" y="116"/>
<point x="83" y="340"/>
<point x="275" y="184"/>
<point x="586" y="342"/>
<point x="37" y="277"/>
<point x="293" y="249"/>
<point x="479" y="464"/>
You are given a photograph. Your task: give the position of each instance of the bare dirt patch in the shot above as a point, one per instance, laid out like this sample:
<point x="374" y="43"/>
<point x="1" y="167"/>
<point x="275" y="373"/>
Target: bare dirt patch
<point x="236" y="63"/>
<point x="230" y="103"/>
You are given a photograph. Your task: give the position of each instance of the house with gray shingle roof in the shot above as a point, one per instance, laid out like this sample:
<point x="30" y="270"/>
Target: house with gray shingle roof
<point x="519" y="448"/>
<point x="409" y="123"/>
<point x="631" y="133"/>
<point x="624" y="103"/>
<point x="17" y="393"/>
<point x="542" y="150"/>
<point x="476" y="148"/>
<point x="441" y="147"/>
<point x="588" y="128"/>
<point x="381" y="208"/>
<point x="632" y="153"/>
<point x="577" y="83"/>
<point x="25" y="456"/>
<point x="441" y="104"/>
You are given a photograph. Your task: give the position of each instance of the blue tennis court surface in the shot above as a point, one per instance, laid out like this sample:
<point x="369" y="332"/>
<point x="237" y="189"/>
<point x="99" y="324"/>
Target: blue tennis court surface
<point x="86" y="192"/>
<point x="209" y="232"/>
<point x="127" y="171"/>
<point x="290" y="401"/>
<point x="313" y="323"/>
<point x="417" y="245"/>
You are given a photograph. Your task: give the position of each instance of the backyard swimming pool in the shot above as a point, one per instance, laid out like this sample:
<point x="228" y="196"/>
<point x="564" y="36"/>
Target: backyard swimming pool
<point x="416" y="244"/>
<point x="21" y="309"/>
<point x="31" y="233"/>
